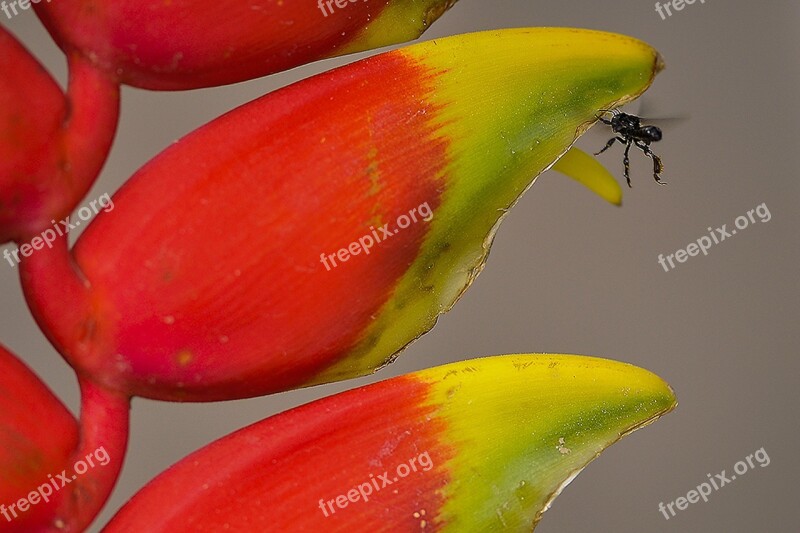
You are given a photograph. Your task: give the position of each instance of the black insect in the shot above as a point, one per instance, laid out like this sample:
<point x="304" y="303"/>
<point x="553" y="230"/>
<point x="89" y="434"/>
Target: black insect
<point x="630" y="132"/>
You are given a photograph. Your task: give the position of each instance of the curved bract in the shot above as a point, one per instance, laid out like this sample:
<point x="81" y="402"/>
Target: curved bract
<point x="480" y="445"/>
<point x="186" y="44"/>
<point x="38" y="435"/>
<point x="588" y="171"/>
<point x="26" y="133"/>
<point x="52" y="145"/>
<point x="310" y="235"/>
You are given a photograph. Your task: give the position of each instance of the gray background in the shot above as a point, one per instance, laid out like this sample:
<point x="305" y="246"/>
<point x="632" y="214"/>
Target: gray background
<point x="569" y="273"/>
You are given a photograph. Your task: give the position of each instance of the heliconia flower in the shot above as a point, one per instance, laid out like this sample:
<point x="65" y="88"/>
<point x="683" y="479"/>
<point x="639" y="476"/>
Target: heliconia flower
<point x="480" y="445"/>
<point x="186" y="44"/>
<point x="55" y="472"/>
<point x="310" y="235"/>
<point x="52" y="145"/>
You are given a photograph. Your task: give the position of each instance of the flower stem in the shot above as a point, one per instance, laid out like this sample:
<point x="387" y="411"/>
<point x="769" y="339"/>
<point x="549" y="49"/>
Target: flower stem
<point x="104" y="428"/>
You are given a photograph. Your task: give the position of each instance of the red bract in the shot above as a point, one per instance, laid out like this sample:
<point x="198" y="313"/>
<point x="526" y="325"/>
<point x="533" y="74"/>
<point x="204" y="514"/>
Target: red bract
<point x="37" y="437"/>
<point x="185" y="44"/>
<point x="197" y="290"/>
<point x="52" y="145"/>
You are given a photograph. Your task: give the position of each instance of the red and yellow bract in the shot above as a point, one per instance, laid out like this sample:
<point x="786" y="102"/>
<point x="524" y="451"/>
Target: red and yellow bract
<point x="205" y="282"/>
<point x="480" y="445"/>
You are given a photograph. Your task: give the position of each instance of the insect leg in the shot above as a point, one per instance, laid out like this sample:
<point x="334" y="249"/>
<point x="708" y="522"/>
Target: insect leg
<point x="609" y="143"/>
<point x="627" y="162"/>
<point x="658" y="167"/>
<point x="600" y="117"/>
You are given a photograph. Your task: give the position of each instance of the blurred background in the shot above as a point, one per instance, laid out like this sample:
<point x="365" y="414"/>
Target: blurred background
<point x="569" y="273"/>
